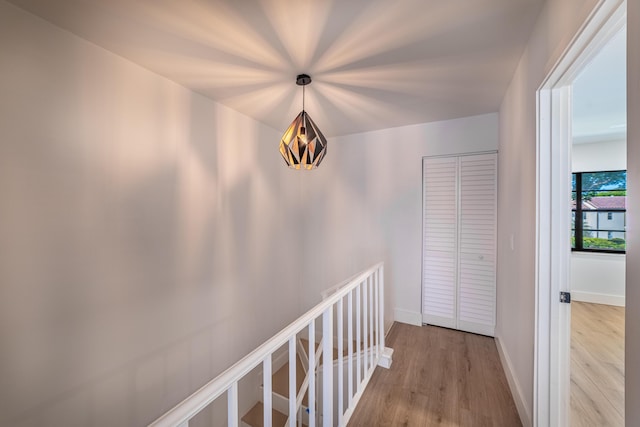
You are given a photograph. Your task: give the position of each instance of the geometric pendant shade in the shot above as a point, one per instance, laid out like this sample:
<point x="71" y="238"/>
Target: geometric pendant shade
<point x="303" y="146"/>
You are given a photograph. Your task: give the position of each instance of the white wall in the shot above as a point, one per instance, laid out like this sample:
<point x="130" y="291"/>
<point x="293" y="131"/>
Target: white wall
<point x="599" y="156"/>
<point x="365" y="205"/>
<point x="632" y="311"/>
<point x="557" y="24"/>
<point x="597" y="277"/>
<point x="146" y="234"/>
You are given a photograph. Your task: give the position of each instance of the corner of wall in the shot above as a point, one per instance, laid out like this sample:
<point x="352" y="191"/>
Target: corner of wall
<point x="407" y="316"/>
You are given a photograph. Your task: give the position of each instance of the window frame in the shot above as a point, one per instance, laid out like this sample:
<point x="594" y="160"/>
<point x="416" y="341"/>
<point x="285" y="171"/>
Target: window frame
<point x="580" y="216"/>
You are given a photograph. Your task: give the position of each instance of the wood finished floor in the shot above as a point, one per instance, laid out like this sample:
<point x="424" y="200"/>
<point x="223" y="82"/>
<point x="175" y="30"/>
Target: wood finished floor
<point x="439" y="377"/>
<point x="597" y="365"/>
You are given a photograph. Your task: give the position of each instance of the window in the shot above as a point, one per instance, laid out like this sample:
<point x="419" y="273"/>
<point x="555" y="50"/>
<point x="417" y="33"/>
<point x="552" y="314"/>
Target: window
<point x="599" y="211"/>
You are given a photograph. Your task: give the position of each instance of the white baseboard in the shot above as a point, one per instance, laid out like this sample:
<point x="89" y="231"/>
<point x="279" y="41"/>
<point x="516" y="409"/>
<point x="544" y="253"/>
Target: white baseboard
<point x="516" y="391"/>
<point x="597" y="298"/>
<point x="408" y="317"/>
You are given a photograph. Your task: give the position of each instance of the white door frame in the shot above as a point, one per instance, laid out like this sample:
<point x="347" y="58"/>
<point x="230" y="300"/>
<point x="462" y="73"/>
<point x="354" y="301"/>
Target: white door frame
<point x="553" y="215"/>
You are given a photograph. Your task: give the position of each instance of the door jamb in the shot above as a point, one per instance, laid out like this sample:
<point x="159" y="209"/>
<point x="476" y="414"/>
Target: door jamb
<point x="553" y="169"/>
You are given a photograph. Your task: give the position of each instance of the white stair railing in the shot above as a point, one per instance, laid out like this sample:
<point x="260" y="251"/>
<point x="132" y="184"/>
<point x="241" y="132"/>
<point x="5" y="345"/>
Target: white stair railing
<point x="295" y="407"/>
<point x="364" y="294"/>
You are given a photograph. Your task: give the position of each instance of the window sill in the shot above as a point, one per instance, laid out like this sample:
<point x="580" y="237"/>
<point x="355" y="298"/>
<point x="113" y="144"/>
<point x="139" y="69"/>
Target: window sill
<point x="597" y="252"/>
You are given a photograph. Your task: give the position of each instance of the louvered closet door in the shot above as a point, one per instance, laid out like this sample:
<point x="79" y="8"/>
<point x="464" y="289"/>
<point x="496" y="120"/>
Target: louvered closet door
<point x="440" y="218"/>
<point x="477" y="254"/>
<point x="459" y="242"/>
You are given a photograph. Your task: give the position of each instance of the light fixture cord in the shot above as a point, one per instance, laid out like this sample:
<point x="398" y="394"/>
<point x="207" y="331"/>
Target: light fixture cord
<point x="303" y="97"/>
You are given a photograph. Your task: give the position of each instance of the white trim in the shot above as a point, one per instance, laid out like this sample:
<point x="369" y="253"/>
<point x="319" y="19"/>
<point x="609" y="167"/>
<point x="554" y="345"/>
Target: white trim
<point x="386" y="358"/>
<point x="476" y="328"/>
<point x="516" y="391"/>
<point x="560" y="253"/>
<point x="598" y="298"/>
<point x="444" y="322"/>
<point x="466" y="153"/>
<point x="278" y="402"/>
<point x="278" y="360"/>
<point x="606" y="18"/>
<point x="454" y="321"/>
<point x="407" y="316"/>
<point x="209" y="392"/>
<point x="552" y="323"/>
<point x="542" y="318"/>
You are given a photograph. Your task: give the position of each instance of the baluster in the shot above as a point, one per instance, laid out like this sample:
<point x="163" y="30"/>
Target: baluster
<point x="369" y="343"/>
<point x="292" y="381"/>
<point x="340" y="363"/>
<point x="365" y="322"/>
<point x="358" y="340"/>
<point x="350" y="345"/>
<point x="327" y="369"/>
<point x="381" y="290"/>
<point x="267" y="396"/>
<point x="232" y="405"/>
<point x="376" y="288"/>
<point x="312" y="374"/>
<point x="371" y="312"/>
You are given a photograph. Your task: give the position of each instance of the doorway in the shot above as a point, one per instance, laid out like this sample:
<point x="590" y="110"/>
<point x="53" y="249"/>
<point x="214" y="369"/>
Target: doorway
<point x="598" y="236"/>
<point x="552" y="386"/>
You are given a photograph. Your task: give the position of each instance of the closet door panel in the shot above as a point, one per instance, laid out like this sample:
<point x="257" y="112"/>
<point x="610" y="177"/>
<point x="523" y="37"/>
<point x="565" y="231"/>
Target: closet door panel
<point x="477" y="254"/>
<point x="439" y="250"/>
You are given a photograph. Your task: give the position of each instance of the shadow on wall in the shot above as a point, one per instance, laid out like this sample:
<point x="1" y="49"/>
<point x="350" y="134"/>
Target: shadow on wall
<point x="142" y="262"/>
<point x="365" y="204"/>
<point x="342" y="234"/>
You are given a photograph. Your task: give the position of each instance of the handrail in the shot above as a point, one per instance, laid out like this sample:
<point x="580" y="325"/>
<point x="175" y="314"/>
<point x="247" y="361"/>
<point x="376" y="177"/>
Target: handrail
<point x="329" y="291"/>
<point x="193" y="404"/>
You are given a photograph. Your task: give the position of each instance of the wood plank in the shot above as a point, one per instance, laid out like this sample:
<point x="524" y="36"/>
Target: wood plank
<point x="255" y="416"/>
<point x="438" y="377"/>
<point x="597" y="365"/>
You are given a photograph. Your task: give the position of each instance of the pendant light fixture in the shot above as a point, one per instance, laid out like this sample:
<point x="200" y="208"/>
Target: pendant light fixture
<point x="303" y="146"/>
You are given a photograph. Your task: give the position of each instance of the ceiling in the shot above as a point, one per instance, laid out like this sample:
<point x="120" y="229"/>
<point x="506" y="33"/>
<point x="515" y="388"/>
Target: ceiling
<point x="599" y="92"/>
<point x="375" y="63"/>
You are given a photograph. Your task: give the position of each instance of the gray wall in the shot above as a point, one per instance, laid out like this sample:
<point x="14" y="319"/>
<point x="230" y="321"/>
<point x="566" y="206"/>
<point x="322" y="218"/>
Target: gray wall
<point x="557" y="24"/>
<point x="143" y="241"/>
<point x="365" y="205"/>
<point x="632" y="341"/>
<point x="146" y="234"/>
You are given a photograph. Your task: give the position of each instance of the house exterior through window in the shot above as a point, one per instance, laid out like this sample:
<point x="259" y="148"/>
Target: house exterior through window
<point x="599" y="211"/>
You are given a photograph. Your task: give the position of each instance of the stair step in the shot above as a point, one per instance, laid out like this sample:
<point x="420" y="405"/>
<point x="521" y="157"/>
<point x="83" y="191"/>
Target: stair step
<point x="255" y="417"/>
<point x="280" y="380"/>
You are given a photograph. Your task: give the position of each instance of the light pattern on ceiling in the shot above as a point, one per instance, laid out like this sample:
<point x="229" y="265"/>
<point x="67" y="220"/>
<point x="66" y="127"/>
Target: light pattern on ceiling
<point x="376" y="64"/>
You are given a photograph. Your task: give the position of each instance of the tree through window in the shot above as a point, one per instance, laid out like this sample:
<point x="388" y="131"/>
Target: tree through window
<point x="599" y="211"/>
